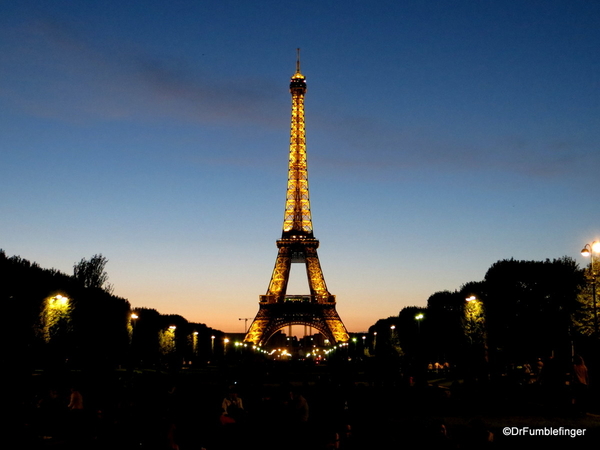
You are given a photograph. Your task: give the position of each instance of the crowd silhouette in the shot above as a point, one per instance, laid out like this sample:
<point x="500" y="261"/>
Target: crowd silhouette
<point x="202" y="410"/>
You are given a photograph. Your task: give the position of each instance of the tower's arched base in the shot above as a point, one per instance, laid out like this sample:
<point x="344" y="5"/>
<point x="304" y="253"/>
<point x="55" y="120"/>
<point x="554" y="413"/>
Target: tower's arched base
<point x="274" y="316"/>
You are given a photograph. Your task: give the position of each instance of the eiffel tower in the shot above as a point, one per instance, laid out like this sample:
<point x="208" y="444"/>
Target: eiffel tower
<point x="297" y="245"/>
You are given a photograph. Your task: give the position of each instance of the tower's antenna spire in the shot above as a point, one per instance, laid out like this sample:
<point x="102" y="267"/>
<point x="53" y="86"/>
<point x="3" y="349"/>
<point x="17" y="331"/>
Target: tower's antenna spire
<point x="297" y="60"/>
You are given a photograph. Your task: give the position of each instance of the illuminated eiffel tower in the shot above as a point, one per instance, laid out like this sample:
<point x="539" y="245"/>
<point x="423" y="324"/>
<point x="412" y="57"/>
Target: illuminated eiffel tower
<point x="297" y="245"/>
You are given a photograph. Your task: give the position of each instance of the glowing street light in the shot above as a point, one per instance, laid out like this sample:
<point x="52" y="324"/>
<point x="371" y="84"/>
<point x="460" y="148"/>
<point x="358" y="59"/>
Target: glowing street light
<point x="586" y="251"/>
<point x="56" y="315"/>
<point x="419" y="317"/>
<point x="133" y="317"/>
<point x="594" y="247"/>
<point x="195" y="343"/>
<point x="474" y="317"/>
<point x="475" y="326"/>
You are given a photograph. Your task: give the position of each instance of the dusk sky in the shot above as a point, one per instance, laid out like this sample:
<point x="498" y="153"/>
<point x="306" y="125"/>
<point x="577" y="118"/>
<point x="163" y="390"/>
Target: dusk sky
<point x="442" y="136"/>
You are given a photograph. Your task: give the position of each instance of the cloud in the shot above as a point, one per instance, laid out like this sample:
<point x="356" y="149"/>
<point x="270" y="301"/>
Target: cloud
<point x="198" y="95"/>
<point x="55" y="71"/>
<point x="370" y="145"/>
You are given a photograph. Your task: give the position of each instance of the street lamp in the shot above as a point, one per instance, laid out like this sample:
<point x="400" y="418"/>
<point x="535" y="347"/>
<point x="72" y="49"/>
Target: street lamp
<point x="131" y="325"/>
<point x="589" y="250"/>
<point x="418" y="318"/>
<point x="56" y="316"/>
<point x="245" y="319"/>
<point x="195" y="343"/>
<point x="172" y="329"/>
<point x="475" y="324"/>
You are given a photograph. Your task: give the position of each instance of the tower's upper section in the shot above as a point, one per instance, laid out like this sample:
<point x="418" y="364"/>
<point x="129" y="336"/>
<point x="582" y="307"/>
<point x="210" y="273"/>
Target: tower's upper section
<point x="298" y="81"/>
<point x="297" y="221"/>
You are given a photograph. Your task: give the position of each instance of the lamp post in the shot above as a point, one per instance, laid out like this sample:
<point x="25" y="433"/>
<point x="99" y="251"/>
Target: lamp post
<point x="172" y="329"/>
<point x="132" y="321"/>
<point x="589" y="250"/>
<point x="418" y="318"/>
<point x="133" y="344"/>
<point x="195" y="343"/>
<point x="475" y="331"/>
<point x="245" y="319"/>
<point x="393" y="337"/>
<point x="472" y="314"/>
<point x="476" y="321"/>
<point x="374" y="341"/>
<point x="56" y="315"/>
<point x="420" y="375"/>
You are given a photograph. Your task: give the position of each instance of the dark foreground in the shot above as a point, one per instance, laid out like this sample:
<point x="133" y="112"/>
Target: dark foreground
<point x="154" y="410"/>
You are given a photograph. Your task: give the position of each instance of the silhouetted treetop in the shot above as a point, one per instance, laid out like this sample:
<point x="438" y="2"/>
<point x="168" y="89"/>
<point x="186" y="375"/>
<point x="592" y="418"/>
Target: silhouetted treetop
<point x="91" y="273"/>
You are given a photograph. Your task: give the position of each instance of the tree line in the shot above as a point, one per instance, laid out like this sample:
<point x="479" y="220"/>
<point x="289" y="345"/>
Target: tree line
<point x="75" y="321"/>
<point x="521" y="312"/>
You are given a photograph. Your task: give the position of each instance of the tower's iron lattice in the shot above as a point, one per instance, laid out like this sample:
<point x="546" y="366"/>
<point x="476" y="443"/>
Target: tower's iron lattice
<point x="297" y="245"/>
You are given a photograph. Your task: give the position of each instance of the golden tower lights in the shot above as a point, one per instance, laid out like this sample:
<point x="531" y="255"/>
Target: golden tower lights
<point x="297" y="245"/>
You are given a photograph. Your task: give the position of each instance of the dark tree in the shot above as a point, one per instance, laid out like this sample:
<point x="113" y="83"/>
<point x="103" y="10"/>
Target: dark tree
<point x="92" y="274"/>
<point x="529" y="306"/>
<point x="445" y="315"/>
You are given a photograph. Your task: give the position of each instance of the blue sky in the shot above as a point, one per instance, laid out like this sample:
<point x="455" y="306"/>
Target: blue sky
<point x="442" y="136"/>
